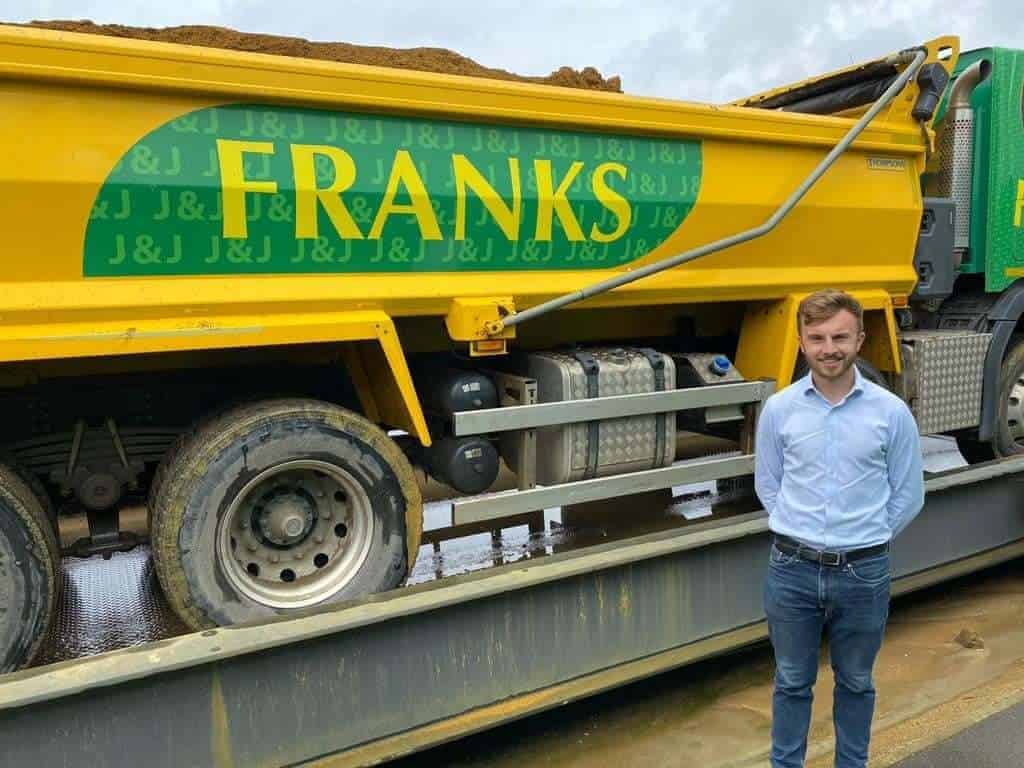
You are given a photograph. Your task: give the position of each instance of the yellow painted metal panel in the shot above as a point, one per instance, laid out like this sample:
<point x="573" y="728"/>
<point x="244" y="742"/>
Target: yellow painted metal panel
<point x="881" y="347"/>
<point x="388" y="384"/>
<point x="394" y="390"/>
<point x="466" y="318"/>
<point x="769" y="338"/>
<point x="76" y="106"/>
<point x="769" y="341"/>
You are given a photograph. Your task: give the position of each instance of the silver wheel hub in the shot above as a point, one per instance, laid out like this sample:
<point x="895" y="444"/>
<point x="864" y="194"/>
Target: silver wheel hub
<point x="1015" y="411"/>
<point x="295" y="534"/>
<point x="286" y="518"/>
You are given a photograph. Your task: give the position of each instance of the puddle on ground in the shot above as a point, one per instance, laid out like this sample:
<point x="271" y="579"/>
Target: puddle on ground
<point x="602" y="522"/>
<point x="117" y="603"/>
<point x="573" y="528"/>
<point x="106" y="605"/>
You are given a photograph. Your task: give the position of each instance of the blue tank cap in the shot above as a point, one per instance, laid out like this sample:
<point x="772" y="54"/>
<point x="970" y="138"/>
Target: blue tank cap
<point x="720" y="365"/>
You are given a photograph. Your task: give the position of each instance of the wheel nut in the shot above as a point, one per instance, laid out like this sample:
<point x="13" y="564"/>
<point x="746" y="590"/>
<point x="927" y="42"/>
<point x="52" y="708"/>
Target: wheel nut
<point x="326" y="514"/>
<point x="251" y="545"/>
<point x="275" y="559"/>
<point x="319" y="538"/>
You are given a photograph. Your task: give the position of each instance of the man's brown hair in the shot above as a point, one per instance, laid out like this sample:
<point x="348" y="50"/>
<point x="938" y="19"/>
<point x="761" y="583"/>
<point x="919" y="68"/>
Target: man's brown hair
<point x="824" y="305"/>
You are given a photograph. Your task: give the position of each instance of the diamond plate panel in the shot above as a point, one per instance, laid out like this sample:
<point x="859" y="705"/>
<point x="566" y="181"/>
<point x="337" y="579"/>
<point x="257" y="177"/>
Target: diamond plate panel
<point x="943" y="378"/>
<point x="626" y="444"/>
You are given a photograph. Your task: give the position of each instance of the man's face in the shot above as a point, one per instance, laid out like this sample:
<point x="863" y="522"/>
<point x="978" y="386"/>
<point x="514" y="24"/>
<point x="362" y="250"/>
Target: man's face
<point x="831" y="346"/>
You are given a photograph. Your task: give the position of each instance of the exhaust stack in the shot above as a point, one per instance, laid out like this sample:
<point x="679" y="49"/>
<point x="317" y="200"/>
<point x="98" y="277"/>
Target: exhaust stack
<point x="956" y="153"/>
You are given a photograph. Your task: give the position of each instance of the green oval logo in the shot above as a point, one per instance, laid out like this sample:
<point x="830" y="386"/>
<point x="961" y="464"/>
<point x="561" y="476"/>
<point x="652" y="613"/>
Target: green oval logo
<point x="257" y="190"/>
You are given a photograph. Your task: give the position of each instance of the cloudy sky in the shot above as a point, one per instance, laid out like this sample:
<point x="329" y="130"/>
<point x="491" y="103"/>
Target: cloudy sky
<point x="705" y="50"/>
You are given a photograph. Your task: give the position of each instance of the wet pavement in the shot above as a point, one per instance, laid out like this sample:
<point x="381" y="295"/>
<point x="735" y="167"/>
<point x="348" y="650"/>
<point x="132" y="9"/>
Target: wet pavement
<point x="714" y="714"/>
<point x="565" y="530"/>
<point x="106" y="605"/>
<point x="111" y="604"/>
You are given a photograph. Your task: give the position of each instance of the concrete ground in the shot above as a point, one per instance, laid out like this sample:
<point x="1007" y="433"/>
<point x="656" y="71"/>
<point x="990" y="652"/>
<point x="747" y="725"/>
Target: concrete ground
<point x="995" y="742"/>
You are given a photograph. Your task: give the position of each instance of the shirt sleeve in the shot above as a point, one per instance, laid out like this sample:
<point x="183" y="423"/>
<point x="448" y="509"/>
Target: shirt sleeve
<point x="768" y="458"/>
<point x="906" y="474"/>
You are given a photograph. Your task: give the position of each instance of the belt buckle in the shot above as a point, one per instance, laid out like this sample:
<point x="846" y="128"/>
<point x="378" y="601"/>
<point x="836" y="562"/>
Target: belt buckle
<point x="833" y="559"/>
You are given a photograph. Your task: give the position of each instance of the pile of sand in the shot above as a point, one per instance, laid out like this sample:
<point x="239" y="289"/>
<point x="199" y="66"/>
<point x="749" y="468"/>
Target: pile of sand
<point x="424" y="59"/>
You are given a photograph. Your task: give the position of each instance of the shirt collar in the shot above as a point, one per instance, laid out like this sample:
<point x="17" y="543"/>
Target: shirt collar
<point x="807" y="386"/>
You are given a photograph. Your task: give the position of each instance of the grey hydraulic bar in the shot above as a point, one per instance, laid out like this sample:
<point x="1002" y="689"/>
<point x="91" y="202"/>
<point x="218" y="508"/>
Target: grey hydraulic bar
<point x="918" y="57"/>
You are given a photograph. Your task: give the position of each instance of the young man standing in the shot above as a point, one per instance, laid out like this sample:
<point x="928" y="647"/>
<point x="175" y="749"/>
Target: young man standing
<point x="839" y="472"/>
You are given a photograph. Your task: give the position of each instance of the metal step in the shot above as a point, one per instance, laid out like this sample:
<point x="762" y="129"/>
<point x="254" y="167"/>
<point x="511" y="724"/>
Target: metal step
<point x="526" y="418"/>
<point x="613" y="407"/>
<point x="494" y="506"/>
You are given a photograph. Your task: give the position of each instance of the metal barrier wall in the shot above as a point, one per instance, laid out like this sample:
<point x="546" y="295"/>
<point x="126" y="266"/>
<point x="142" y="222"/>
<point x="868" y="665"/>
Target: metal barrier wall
<point x="388" y="675"/>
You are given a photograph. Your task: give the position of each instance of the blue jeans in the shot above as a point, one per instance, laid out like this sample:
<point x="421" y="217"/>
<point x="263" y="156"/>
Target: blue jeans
<point x="851" y="604"/>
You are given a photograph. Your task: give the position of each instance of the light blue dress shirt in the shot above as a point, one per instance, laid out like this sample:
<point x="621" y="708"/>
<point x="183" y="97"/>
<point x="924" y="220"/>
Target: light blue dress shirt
<point x="838" y="477"/>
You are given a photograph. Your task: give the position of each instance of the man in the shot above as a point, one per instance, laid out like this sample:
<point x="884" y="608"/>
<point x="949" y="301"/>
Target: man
<point x="839" y="472"/>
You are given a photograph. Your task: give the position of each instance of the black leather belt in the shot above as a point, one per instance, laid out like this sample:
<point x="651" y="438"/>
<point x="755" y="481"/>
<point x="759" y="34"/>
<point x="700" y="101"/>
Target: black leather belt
<point x="834" y="559"/>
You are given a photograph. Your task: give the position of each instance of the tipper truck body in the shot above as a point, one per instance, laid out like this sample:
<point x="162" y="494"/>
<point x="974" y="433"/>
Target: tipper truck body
<point x="251" y="303"/>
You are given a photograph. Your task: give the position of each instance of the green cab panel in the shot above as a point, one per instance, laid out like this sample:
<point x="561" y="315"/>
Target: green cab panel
<point x="997" y="205"/>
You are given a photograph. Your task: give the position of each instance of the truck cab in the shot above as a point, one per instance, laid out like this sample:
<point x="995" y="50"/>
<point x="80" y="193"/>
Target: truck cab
<point x="994" y="212"/>
<point x="977" y="173"/>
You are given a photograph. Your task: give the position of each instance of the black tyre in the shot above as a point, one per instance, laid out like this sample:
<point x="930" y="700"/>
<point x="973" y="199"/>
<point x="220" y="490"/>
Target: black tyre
<point x="29" y="571"/>
<point x="279" y="505"/>
<point x="29" y="478"/>
<point x="1009" y="426"/>
<point x="975" y="451"/>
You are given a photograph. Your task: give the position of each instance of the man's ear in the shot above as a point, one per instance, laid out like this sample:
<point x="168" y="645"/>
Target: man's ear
<point x="860" y="340"/>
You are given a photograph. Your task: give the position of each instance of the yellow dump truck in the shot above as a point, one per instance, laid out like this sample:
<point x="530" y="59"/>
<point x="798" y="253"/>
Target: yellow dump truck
<point x="245" y="297"/>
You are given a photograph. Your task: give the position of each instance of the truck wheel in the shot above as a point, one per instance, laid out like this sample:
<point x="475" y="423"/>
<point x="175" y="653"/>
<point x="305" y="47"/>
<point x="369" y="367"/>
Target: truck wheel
<point x="1009" y="426"/>
<point x="35" y="485"/>
<point x="279" y="505"/>
<point x="29" y="571"/>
